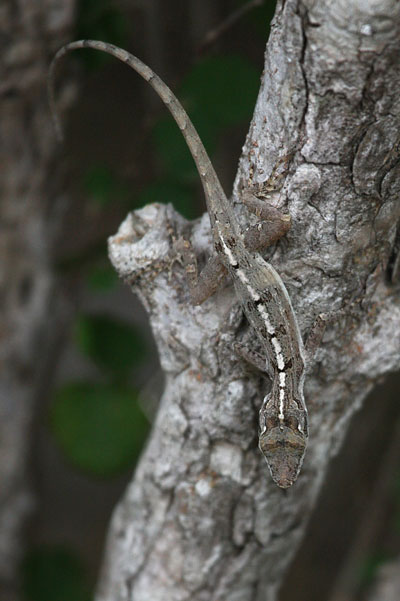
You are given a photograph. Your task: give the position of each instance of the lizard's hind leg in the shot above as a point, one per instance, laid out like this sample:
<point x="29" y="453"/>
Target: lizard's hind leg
<point x="316" y="333"/>
<point x="253" y="357"/>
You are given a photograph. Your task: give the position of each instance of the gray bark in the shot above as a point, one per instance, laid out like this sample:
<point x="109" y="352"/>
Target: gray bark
<point x="28" y="180"/>
<point x="202" y="519"/>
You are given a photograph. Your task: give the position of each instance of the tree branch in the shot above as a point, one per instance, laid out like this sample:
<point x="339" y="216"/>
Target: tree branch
<point x="29" y="178"/>
<point x="202" y="519"/>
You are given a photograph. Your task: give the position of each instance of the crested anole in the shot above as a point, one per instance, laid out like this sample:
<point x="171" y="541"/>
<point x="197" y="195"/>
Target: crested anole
<point x="260" y="290"/>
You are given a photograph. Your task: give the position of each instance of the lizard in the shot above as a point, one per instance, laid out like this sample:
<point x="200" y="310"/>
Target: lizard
<point x="283" y="421"/>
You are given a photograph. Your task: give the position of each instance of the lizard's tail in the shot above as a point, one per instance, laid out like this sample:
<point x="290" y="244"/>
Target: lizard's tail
<point x="208" y="176"/>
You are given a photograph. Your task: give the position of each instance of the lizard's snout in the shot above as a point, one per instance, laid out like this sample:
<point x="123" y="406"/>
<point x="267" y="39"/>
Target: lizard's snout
<point x="283" y="449"/>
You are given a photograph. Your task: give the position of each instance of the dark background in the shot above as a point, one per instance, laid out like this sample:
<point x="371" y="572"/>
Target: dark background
<point x="122" y="151"/>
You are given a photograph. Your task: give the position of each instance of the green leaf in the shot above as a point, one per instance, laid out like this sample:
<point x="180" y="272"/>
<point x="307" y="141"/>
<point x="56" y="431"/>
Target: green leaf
<point x="111" y="344"/>
<point x="181" y="197"/>
<point x="100" y="428"/>
<point x="53" y="574"/>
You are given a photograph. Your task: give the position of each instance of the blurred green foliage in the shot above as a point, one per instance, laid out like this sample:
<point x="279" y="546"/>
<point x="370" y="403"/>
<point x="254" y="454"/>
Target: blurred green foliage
<point x="101" y="277"/>
<point x="99" y="20"/>
<point x="53" y="574"/>
<point x="112" y="344"/>
<point x="100" y="427"/>
<point x="103" y="187"/>
<point x="370" y="567"/>
<point x="174" y="192"/>
<point x="172" y="152"/>
<point x="260" y="17"/>
<point x="218" y="92"/>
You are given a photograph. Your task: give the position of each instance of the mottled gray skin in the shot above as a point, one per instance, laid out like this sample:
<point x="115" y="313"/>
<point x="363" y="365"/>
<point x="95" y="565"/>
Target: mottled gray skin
<point x="260" y="290"/>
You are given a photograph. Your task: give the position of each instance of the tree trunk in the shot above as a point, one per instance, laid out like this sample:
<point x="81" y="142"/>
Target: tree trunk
<point x="31" y="32"/>
<point x="202" y="519"/>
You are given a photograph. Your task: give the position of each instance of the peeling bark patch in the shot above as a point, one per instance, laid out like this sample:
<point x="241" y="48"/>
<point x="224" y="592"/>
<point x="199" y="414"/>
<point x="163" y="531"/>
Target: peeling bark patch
<point x="226" y="459"/>
<point x="203" y="487"/>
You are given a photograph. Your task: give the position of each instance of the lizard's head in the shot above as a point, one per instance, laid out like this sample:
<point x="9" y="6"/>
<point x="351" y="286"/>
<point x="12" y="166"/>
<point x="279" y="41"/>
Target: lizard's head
<point x="283" y="444"/>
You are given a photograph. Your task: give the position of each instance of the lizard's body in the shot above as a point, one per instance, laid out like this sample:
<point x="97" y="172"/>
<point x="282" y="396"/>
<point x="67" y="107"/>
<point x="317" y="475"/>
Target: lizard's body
<point x="262" y="294"/>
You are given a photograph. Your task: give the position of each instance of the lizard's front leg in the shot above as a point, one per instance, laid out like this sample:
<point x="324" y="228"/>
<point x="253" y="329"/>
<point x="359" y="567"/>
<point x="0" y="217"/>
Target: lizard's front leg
<point x="254" y="358"/>
<point x="318" y="327"/>
<point x="273" y="225"/>
<point x="203" y="285"/>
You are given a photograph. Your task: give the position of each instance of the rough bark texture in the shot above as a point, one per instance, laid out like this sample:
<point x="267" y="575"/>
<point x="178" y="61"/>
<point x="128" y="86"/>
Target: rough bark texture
<point x="202" y="519"/>
<point x="31" y="31"/>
